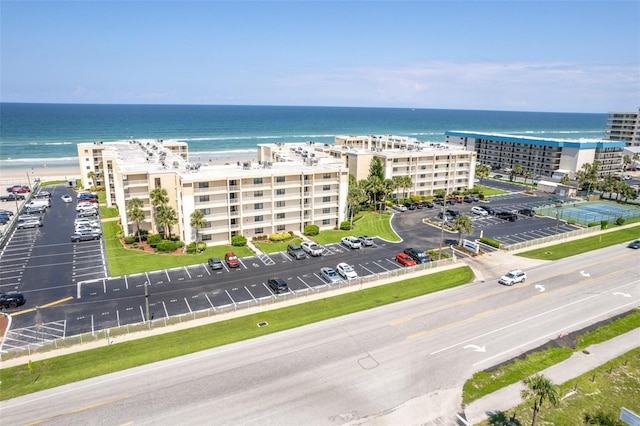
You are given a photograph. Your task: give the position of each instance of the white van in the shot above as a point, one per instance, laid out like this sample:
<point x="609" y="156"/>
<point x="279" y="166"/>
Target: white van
<point x="39" y="203"/>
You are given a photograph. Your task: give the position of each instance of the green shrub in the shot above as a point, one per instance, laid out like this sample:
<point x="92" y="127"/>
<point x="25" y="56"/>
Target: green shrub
<point x="620" y="221"/>
<point x="133" y="245"/>
<point x="311" y="230"/>
<point x="130" y="239"/>
<point x="280" y="236"/>
<point x="435" y="254"/>
<point x="604" y="223"/>
<point x="238" y="241"/>
<point x="120" y="234"/>
<point x="571" y="222"/>
<point x="592" y="224"/>
<point x="168" y="246"/>
<point x="490" y="242"/>
<point x="191" y="247"/>
<point x="153" y="240"/>
<point x="345" y="226"/>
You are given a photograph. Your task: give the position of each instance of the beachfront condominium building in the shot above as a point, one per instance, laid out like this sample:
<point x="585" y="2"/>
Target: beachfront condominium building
<point x="431" y="166"/>
<point x="623" y="126"/>
<point x="540" y="157"/>
<point x="246" y="198"/>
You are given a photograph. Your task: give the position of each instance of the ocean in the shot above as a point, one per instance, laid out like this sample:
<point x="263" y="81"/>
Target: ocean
<point x="35" y="134"/>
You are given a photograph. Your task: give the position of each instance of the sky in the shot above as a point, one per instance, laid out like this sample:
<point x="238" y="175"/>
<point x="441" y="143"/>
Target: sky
<point x="558" y="56"/>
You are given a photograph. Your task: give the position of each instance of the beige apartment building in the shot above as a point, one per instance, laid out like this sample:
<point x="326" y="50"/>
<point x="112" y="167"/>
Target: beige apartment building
<point x="242" y="199"/>
<point x="623" y="126"/>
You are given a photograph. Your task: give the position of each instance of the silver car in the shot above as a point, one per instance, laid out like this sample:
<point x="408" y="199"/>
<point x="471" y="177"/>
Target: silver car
<point x="330" y="275"/>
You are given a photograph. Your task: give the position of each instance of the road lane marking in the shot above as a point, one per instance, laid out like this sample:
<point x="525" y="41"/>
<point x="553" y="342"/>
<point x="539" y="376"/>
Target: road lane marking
<point x="79" y="410"/>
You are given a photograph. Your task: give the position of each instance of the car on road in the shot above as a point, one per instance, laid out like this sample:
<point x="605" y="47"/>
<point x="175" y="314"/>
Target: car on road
<point x="12" y="197"/>
<point x="488" y="209"/>
<point x="405" y="260"/>
<point x="479" y="211"/>
<point x="232" y="260"/>
<point x="527" y="212"/>
<point x="215" y="263"/>
<point x="85" y="236"/>
<point x="330" y="275"/>
<point x="418" y="255"/>
<point x="508" y="216"/>
<point x="278" y="285"/>
<point x="498" y="176"/>
<point x="42" y="195"/>
<point x="31" y="223"/>
<point x="634" y="244"/>
<point x="365" y="240"/>
<point x="513" y="277"/>
<point x="296" y="251"/>
<point x="346" y="271"/>
<point x="400" y="207"/>
<point x="11" y="300"/>
<point x="67" y="198"/>
<point x="312" y="248"/>
<point x="351" y="242"/>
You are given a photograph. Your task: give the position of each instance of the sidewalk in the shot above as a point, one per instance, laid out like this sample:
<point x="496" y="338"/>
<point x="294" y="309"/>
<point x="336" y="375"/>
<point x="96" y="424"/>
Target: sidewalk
<point x="580" y="363"/>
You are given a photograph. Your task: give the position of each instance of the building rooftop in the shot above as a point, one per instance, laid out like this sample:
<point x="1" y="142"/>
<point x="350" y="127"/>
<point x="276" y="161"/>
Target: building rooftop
<point x="573" y="143"/>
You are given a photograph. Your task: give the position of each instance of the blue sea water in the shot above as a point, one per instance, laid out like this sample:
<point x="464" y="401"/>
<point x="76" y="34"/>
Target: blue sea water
<point x="32" y="134"/>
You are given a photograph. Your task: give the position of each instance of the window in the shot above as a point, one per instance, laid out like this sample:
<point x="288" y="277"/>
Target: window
<point x="258" y="231"/>
<point x="206" y="237"/>
<point x="280" y="203"/>
<point x="258" y="218"/>
<point x="258" y="206"/>
<point x="203" y="198"/>
<point x="280" y="191"/>
<point x="280" y="216"/>
<point x="233" y="221"/>
<point x="326" y="176"/>
<point x="326" y="199"/>
<point x="257" y="181"/>
<point x="203" y="184"/>
<point x="257" y="193"/>
<point x="206" y="211"/>
<point x="326" y="210"/>
<point x="326" y="221"/>
<point x="326" y="187"/>
<point x="279" y="179"/>
<point x="281" y="228"/>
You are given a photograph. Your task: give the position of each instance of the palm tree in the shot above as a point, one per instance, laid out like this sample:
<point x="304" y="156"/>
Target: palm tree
<point x="159" y="198"/>
<point x="526" y="174"/>
<point x="397" y="183"/>
<point x="406" y="183"/>
<point x="166" y="217"/>
<point x="565" y="180"/>
<point x="386" y="189"/>
<point x="356" y="196"/>
<point x="602" y="418"/>
<point x="462" y="224"/>
<point x="540" y="388"/>
<point x="517" y="169"/>
<point x="588" y="176"/>
<point x="197" y="222"/>
<point x="91" y="175"/>
<point x="483" y="171"/>
<point x="135" y="213"/>
<point x="626" y="160"/>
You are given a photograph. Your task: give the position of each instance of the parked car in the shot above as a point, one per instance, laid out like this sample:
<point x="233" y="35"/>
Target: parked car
<point x="84" y="236"/>
<point x="634" y="244"/>
<point x="6" y="212"/>
<point x="418" y="255"/>
<point x="31" y="223"/>
<point x="453" y="213"/>
<point x="351" y="242"/>
<point x="312" y="248"/>
<point x="498" y="176"/>
<point x="35" y="209"/>
<point x="42" y="195"/>
<point x="66" y="198"/>
<point x="479" y="211"/>
<point x="232" y="260"/>
<point x="296" y="251"/>
<point x="428" y="204"/>
<point x="214" y="263"/>
<point x="278" y="285"/>
<point x="12" y="197"/>
<point x="400" y="207"/>
<point x="19" y="189"/>
<point x="87" y="213"/>
<point x="488" y="209"/>
<point x="446" y="216"/>
<point x="346" y="271"/>
<point x="527" y="212"/>
<point x="513" y="277"/>
<point x="405" y="260"/>
<point x="511" y="217"/>
<point x="330" y="275"/>
<point x="410" y="206"/>
<point x="11" y="300"/>
<point x="365" y="240"/>
<point x="4" y="219"/>
<point x="556" y="200"/>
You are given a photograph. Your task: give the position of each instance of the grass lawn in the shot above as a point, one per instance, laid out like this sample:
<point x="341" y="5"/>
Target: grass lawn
<point x="124" y="261"/>
<point x="487" y="191"/>
<point x="609" y="388"/>
<point x="485" y="382"/>
<point x="269" y="247"/>
<point x="69" y="368"/>
<point x="368" y="223"/>
<point x="583" y="245"/>
<point x="52" y="182"/>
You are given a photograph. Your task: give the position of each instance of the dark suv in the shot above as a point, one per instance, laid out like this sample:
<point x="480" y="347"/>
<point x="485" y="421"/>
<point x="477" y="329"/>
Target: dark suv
<point x="278" y="285"/>
<point x="296" y="251"/>
<point x="511" y="217"/>
<point x="11" y="300"/>
<point x="418" y="255"/>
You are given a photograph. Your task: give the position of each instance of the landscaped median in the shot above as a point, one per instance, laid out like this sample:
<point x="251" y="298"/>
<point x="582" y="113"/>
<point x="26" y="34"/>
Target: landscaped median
<point x="52" y="372"/>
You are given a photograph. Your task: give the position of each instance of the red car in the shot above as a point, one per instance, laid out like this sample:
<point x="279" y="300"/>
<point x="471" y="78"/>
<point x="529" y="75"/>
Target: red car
<point x="405" y="260"/>
<point x="19" y="189"/>
<point x="232" y="260"/>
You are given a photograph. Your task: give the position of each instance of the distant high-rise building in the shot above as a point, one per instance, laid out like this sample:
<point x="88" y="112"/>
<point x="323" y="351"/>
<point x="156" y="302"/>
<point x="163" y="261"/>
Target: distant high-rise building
<point x="623" y="126"/>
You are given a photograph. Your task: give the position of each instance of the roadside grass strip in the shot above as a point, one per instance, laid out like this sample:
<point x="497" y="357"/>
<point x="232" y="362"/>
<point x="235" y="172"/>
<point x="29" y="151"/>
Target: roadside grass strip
<point x="607" y="388"/>
<point x="485" y="382"/>
<point x="49" y="373"/>
<point x="583" y="245"/>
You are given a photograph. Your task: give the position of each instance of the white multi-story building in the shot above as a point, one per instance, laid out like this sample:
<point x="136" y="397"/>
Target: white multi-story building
<point x="623" y="126"/>
<point x="241" y="199"/>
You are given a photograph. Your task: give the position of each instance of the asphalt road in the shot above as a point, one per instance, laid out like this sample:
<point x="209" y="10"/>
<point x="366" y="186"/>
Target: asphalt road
<point x="403" y="363"/>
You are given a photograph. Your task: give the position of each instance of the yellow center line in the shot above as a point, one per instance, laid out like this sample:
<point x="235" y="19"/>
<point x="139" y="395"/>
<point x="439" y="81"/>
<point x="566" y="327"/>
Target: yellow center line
<point x="78" y="410"/>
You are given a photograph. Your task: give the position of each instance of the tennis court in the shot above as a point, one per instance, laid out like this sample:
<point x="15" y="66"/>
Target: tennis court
<point x="592" y="212"/>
